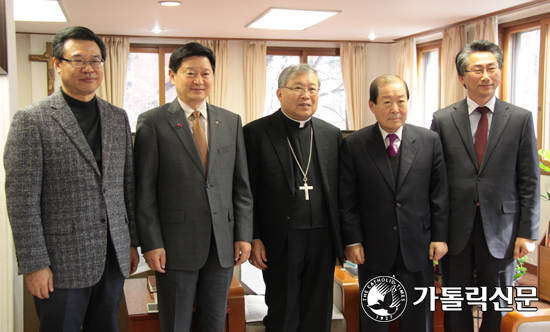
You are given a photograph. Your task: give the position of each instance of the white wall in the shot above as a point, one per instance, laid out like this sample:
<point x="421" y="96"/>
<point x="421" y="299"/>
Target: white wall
<point x="11" y="298"/>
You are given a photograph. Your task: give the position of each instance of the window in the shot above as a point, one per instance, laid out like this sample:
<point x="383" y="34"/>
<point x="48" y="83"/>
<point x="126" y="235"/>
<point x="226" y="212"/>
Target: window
<point x="428" y="80"/>
<point x="520" y="84"/>
<point x="147" y="82"/>
<point x="332" y="97"/>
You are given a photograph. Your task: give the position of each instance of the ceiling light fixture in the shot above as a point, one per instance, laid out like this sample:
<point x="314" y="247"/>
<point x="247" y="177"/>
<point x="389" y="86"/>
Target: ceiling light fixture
<point x="156" y="30"/>
<point x="372" y="36"/>
<point x="290" y="19"/>
<point x="170" y="3"/>
<point x="38" y="11"/>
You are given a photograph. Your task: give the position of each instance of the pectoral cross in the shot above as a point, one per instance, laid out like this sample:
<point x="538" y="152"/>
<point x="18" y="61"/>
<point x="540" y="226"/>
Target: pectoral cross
<point x="48" y="58"/>
<point x="306" y="188"/>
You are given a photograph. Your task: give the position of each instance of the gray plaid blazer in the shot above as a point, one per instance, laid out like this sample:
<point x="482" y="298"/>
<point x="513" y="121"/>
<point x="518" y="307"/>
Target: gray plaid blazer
<point x="60" y="205"/>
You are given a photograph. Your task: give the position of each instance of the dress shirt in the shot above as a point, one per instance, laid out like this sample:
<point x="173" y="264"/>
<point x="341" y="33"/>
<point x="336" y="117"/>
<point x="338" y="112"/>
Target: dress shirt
<point x="397" y="142"/>
<point x="190" y="118"/>
<point x="475" y="115"/>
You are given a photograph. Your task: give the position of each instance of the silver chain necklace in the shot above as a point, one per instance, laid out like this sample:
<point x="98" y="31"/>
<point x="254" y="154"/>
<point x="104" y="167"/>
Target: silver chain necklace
<point x="305" y="187"/>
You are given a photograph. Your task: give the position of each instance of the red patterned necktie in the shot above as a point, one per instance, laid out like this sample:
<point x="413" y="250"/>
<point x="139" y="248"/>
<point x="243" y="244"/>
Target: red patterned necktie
<point x="392" y="152"/>
<point x="481" y="134"/>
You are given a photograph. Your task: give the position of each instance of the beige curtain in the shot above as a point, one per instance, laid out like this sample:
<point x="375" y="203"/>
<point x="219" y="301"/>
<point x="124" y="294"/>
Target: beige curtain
<point x="407" y="70"/>
<point x="217" y="96"/>
<point x="115" y="67"/>
<point x="353" y="59"/>
<point x="451" y="89"/>
<point x="486" y="29"/>
<point x="255" y="78"/>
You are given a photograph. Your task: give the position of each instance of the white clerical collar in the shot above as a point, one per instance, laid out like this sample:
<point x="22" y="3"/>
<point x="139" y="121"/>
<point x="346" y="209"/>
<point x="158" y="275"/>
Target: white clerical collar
<point x="188" y="110"/>
<point x="472" y="105"/>
<point x="302" y="123"/>
<point x="398" y="132"/>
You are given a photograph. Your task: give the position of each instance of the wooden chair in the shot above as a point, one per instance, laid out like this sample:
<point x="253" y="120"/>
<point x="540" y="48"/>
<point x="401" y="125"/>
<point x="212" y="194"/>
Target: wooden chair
<point x="515" y="321"/>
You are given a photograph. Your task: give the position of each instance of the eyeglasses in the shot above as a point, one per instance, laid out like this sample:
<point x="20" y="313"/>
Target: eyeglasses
<point x="302" y="89"/>
<point x="78" y="63"/>
<point x="479" y="72"/>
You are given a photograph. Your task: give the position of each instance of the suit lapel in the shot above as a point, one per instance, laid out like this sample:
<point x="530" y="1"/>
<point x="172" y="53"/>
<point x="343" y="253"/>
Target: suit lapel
<point x="65" y="118"/>
<point x="106" y="124"/>
<point x="377" y="151"/>
<point x="213" y="134"/>
<point x="408" y="153"/>
<point x="462" y="121"/>
<point x="500" y="119"/>
<point x="277" y="135"/>
<point x="320" y="137"/>
<point x="178" y="122"/>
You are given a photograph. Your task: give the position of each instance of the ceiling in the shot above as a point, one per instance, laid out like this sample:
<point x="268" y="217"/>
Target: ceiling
<point x="388" y="19"/>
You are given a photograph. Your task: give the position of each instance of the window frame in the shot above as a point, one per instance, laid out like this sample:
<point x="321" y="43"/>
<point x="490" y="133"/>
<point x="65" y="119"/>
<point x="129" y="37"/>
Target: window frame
<point x="541" y="22"/>
<point x="161" y="50"/>
<point x="420" y="50"/>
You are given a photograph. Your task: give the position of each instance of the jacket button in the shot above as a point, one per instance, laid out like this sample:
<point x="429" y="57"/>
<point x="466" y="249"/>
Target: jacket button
<point x="479" y="180"/>
<point x="207" y="213"/>
<point x="394" y="228"/>
<point x="398" y="205"/>
<point x="208" y="185"/>
<point x="104" y="190"/>
<point x="287" y="218"/>
<point x="103" y="221"/>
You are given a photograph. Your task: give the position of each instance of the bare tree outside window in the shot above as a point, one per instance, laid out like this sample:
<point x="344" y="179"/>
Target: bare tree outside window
<point x="332" y="97"/>
<point x="142" y="87"/>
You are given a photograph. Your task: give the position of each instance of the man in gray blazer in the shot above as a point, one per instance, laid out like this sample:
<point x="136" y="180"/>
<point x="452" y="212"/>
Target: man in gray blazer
<point x="492" y="164"/>
<point x="193" y="200"/>
<point x="70" y="193"/>
<point x="394" y="200"/>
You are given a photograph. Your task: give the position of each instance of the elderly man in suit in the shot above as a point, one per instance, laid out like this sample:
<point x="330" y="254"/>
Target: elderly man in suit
<point x="492" y="163"/>
<point x="194" y="206"/>
<point x="394" y="201"/>
<point x="70" y="193"/>
<point x="293" y="164"/>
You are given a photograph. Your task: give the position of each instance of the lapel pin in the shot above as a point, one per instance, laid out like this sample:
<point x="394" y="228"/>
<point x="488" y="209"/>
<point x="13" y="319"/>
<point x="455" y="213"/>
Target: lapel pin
<point x="179" y="125"/>
<point x="217" y="122"/>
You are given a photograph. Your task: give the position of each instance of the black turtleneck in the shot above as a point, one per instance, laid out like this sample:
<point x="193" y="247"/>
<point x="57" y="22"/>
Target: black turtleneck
<point x="87" y="116"/>
<point x="307" y="214"/>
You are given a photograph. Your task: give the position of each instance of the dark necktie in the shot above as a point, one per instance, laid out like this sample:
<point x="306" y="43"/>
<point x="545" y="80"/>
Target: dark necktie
<point x="200" y="139"/>
<point x="392" y="152"/>
<point x="481" y="134"/>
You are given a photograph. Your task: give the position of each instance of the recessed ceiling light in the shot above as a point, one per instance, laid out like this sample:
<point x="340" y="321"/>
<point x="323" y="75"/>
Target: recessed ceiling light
<point x="156" y="30"/>
<point x="290" y="19"/>
<point x="170" y="3"/>
<point x="372" y="36"/>
<point x="38" y="11"/>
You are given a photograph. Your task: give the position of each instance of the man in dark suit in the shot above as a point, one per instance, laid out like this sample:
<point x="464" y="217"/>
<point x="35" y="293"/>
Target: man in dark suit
<point x="70" y="193"/>
<point x="394" y="201"/>
<point x="293" y="165"/>
<point x="492" y="163"/>
<point x="194" y="206"/>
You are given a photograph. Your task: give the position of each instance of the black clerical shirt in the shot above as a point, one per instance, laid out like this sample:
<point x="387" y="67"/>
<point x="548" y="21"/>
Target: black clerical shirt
<point x="307" y="214"/>
<point x="87" y="116"/>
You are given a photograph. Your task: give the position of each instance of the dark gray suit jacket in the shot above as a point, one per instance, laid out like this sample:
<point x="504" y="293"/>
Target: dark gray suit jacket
<point x="59" y="202"/>
<point x="272" y="180"/>
<point x="178" y="205"/>
<point x="382" y="213"/>
<point x="506" y="185"/>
